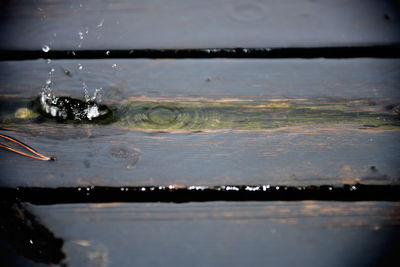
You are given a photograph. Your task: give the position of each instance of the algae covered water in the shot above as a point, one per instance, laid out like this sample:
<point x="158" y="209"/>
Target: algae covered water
<point x="197" y="115"/>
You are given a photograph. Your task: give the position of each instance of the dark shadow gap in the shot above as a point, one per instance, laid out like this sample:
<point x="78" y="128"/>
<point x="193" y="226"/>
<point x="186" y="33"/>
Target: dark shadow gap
<point x="181" y="194"/>
<point x="386" y="51"/>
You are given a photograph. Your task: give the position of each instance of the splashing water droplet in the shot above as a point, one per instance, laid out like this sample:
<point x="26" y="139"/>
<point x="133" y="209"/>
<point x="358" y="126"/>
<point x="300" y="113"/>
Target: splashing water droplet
<point x="97" y="95"/>
<point x="100" y="24"/>
<point x="80" y="66"/>
<point x="114" y="66"/>
<point x="92" y="112"/>
<point x="86" y="92"/>
<point x="107" y="53"/>
<point x="52" y="70"/>
<point x="47" y="95"/>
<point x="46" y="48"/>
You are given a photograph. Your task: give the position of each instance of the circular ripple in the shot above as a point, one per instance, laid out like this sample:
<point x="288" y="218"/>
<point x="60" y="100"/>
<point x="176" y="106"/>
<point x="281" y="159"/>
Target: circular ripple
<point x="162" y="115"/>
<point x="169" y="116"/>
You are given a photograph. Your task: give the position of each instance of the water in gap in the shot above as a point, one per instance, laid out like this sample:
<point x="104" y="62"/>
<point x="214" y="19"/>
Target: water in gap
<point x="67" y="108"/>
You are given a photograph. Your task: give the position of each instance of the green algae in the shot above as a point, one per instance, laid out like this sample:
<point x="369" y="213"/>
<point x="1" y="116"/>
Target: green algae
<point x="247" y="115"/>
<point x="214" y="115"/>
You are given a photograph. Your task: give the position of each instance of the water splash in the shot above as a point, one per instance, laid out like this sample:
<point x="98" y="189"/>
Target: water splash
<point x="48" y="99"/>
<point x="100" y="24"/>
<point x="45" y="48"/>
<point x="82" y="35"/>
<point x="65" y="108"/>
<point x="92" y="109"/>
<point x="86" y="92"/>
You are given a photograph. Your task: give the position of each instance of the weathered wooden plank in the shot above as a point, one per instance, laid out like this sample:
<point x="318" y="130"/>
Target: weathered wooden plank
<point x="329" y="149"/>
<point x="226" y="234"/>
<point x="77" y="25"/>
<point x="99" y="155"/>
<point x="254" y="79"/>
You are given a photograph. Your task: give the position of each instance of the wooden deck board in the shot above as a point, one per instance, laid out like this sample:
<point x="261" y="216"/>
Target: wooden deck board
<point x="226" y="234"/>
<point x="114" y="157"/>
<point x="107" y="25"/>
<point x="351" y="149"/>
<point x="254" y="79"/>
<point x="321" y="152"/>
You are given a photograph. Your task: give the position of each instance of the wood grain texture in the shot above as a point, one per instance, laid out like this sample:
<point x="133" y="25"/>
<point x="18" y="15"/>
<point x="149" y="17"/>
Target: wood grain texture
<point x="80" y="25"/>
<point x="254" y="79"/>
<point x="226" y="234"/>
<point x="90" y="155"/>
<point x="115" y="156"/>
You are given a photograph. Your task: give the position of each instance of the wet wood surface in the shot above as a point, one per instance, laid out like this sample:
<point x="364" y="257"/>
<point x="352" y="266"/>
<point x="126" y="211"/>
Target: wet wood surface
<point x="108" y="25"/>
<point x="329" y="150"/>
<point x="226" y="234"/>
<point x="262" y="121"/>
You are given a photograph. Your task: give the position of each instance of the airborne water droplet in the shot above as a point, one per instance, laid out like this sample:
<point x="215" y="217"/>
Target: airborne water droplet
<point x="46" y="48"/>
<point x="86" y="92"/>
<point x="80" y="66"/>
<point x="114" y="66"/>
<point x="100" y="24"/>
<point x="97" y="96"/>
<point x="108" y="53"/>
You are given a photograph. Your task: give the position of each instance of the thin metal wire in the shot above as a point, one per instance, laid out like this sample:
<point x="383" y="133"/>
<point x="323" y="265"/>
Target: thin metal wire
<point x="38" y="155"/>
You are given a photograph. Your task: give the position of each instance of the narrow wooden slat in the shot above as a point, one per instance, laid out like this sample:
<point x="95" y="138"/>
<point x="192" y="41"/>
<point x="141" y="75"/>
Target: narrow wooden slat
<point x="226" y="234"/>
<point x="91" y="25"/>
<point x="254" y="79"/>
<point x="113" y="157"/>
